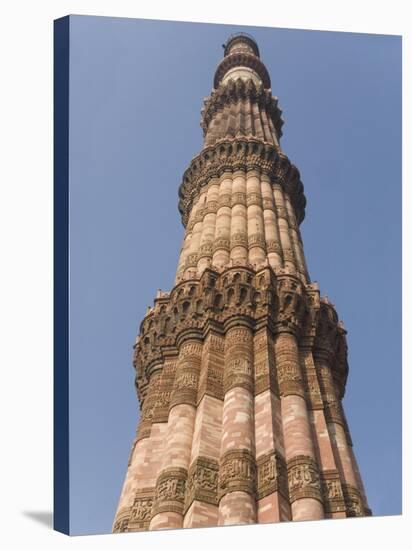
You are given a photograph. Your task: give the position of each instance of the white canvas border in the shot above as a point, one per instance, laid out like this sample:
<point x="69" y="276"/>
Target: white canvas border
<point x="26" y="275"/>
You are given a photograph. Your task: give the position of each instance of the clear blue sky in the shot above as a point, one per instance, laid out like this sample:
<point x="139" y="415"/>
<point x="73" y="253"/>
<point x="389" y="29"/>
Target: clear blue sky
<point x="136" y="89"/>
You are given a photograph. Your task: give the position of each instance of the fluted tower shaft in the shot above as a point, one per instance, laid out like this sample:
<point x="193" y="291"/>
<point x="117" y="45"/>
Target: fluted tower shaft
<point x="240" y="368"/>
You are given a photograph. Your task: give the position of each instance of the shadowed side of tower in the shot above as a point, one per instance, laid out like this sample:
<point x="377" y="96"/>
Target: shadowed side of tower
<point x="242" y="366"/>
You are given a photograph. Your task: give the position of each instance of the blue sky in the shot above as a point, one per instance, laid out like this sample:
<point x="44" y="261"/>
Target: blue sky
<point x="136" y="89"/>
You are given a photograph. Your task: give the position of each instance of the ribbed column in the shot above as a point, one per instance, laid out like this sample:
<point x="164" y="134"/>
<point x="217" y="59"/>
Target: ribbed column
<point x="274" y="132"/>
<point x="273" y="247"/>
<point x="221" y="245"/>
<point x="266" y="126"/>
<point x="242" y="119"/>
<point x="137" y="473"/>
<point x="255" y="222"/>
<point x="192" y="255"/>
<point x="257" y="122"/>
<point x="237" y="476"/>
<point x="366" y="509"/>
<point x="213" y="128"/>
<point x="299" y="236"/>
<point x="303" y="473"/>
<point x="238" y="227"/>
<point x="205" y="250"/>
<point x="184" y="252"/>
<point x="336" y="426"/>
<point x="231" y="120"/>
<point x="272" y="484"/>
<point x="296" y="245"/>
<point x="285" y="240"/>
<point x="334" y="504"/>
<point x="202" y="487"/>
<point x="168" y="506"/>
<point x="249" y="127"/>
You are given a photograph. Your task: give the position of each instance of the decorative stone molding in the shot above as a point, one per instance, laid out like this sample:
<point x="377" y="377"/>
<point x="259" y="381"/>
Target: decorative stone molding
<point x="221" y="244"/>
<point x="332" y="492"/>
<point x="254" y="199"/>
<point x="213" y="380"/>
<point x="267" y="203"/>
<point x="187" y="374"/>
<point x="202" y="481"/>
<point x="314" y="395"/>
<point x="185" y="390"/>
<point x="264" y="363"/>
<point x="273" y="246"/>
<point x="161" y="406"/>
<point x="256" y="240"/>
<point x="212" y="207"/>
<point x="238" y="239"/>
<point x="292" y="305"/>
<point x="141" y="511"/>
<point x="288" y="255"/>
<point x="147" y="414"/>
<point x="289" y="379"/>
<point x="238" y="373"/>
<point x="276" y="300"/>
<point x="225" y="200"/>
<point x="170" y="491"/>
<point x="353" y="500"/>
<point x="237" y="472"/>
<point x="161" y="410"/>
<point x="271" y="475"/>
<point x="245" y="154"/>
<point x="122" y="522"/>
<point x="241" y="59"/>
<point x="191" y="260"/>
<point x="303" y="478"/>
<point x="263" y="298"/>
<point x="238" y="370"/>
<point x="216" y="344"/>
<point x="334" y="413"/>
<point x="330" y="346"/>
<point x="205" y="250"/>
<point x="289" y="376"/>
<point x="238" y="198"/>
<point x="235" y="91"/>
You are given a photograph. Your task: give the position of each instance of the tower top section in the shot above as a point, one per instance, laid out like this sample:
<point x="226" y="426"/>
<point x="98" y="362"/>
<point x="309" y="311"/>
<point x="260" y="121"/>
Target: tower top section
<point x="241" y="42"/>
<point x="242" y="126"/>
<point x="241" y="60"/>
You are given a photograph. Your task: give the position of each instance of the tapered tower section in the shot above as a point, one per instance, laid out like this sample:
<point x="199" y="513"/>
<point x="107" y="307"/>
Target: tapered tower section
<point x="242" y="366"/>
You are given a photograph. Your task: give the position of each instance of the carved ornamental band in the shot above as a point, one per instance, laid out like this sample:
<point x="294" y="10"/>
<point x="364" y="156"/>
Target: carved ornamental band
<point x="244" y="154"/>
<point x="141" y="512"/>
<point x="353" y="500"/>
<point x="332" y="492"/>
<point x="303" y="478"/>
<point x="170" y="491"/>
<point x="237" y="472"/>
<point x="272" y="475"/>
<point x="202" y="481"/>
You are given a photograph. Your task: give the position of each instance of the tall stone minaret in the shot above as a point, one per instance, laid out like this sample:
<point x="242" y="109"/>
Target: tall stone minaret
<point x="242" y="366"/>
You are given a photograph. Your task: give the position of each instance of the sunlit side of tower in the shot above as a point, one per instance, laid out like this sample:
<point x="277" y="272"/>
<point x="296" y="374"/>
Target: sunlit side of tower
<point x="240" y="368"/>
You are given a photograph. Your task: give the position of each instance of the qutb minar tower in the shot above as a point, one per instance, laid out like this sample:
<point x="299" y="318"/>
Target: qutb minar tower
<point x="242" y="366"/>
